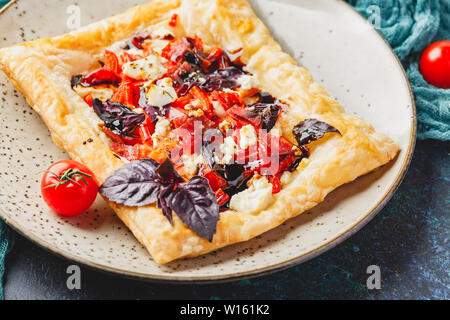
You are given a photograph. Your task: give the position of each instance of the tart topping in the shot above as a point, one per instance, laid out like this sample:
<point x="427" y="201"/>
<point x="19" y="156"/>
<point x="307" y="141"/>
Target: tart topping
<point x="196" y="128"/>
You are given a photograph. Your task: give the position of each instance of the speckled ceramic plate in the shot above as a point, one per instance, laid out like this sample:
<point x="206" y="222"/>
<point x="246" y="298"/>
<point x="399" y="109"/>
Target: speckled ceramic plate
<point x="343" y="52"/>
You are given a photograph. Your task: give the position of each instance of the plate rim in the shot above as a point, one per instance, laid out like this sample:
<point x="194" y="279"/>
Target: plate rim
<point x="257" y="272"/>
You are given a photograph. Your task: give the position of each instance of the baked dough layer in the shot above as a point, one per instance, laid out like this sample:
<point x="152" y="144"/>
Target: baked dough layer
<point x="42" y="70"/>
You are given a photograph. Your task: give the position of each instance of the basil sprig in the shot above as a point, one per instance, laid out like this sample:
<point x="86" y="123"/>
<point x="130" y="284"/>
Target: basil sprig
<point x="143" y="182"/>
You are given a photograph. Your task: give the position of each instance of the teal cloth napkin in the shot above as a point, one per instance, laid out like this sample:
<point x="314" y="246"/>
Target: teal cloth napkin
<point x="410" y="26"/>
<point x="3" y="2"/>
<point x="6" y="242"/>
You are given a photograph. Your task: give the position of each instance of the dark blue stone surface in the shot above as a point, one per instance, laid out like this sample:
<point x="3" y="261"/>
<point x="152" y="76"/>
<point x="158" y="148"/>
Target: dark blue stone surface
<point x="408" y="240"/>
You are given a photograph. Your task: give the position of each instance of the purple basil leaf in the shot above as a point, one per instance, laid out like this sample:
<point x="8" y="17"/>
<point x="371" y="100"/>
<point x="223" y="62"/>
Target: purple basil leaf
<point x="167" y="173"/>
<point x="196" y="205"/>
<point x="311" y="130"/>
<point x="117" y="117"/>
<point x="268" y="112"/>
<point x="265" y="97"/>
<point x="222" y="78"/>
<point x="189" y="79"/>
<point x="76" y="80"/>
<point x="162" y="202"/>
<point x="192" y="57"/>
<point x="136" y="183"/>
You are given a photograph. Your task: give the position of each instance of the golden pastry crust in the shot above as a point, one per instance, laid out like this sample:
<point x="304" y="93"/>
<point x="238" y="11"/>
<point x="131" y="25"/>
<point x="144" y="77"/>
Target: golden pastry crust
<point x="42" y="70"/>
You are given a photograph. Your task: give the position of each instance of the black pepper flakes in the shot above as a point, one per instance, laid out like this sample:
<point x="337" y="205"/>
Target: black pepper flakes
<point x="88" y="141"/>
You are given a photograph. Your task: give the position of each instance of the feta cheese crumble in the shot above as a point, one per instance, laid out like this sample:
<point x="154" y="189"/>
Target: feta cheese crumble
<point x="254" y="199"/>
<point x="162" y="129"/>
<point x="247" y="136"/>
<point x="135" y="51"/>
<point x="228" y="149"/>
<point x="248" y="82"/>
<point x="158" y="45"/>
<point x="161" y="93"/>
<point x="224" y="126"/>
<point x="191" y="163"/>
<point x="195" y="113"/>
<point x="147" y="68"/>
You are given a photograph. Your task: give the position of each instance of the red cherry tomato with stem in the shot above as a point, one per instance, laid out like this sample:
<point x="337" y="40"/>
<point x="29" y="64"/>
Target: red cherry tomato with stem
<point x="435" y="64"/>
<point x="69" y="188"/>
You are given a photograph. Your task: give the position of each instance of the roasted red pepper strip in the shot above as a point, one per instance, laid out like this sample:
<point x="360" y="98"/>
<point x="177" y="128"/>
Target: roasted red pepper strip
<point x="173" y="20"/>
<point x="276" y="184"/>
<point x="88" y="99"/>
<point x="202" y="98"/>
<point x="121" y="139"/>
<point x="215" y="181"/>
<point x="145" y="134"/>
<point x="100" y="76"/>
<point x="177" y="117"/>
<point x="127" y="93"/>
<point x="112" y="62"/>
<point x="175" y="50"/>
<point x="275" y="154"/>
<point x="128" y="152"/>
<point x="245" y="117"/>
<point x="146" y="129"/>
<point x="221" y="197"/>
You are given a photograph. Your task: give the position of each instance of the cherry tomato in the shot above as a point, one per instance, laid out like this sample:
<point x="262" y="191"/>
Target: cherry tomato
<point x="68" y="187"/>
<point x="435" y="64"/>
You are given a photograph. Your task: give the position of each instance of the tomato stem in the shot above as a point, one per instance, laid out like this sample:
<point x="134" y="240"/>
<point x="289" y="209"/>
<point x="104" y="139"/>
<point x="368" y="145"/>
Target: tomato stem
<point x="67" y="176"/>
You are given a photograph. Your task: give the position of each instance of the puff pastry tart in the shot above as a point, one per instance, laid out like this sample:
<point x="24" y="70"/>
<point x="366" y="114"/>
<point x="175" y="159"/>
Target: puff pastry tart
<point x="202" y="131"/>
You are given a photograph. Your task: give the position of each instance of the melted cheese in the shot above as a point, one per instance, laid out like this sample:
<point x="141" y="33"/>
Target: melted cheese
<point x="100" y="93"/>
<point x="162" y="33"/>
<point x="254" y="199"/>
